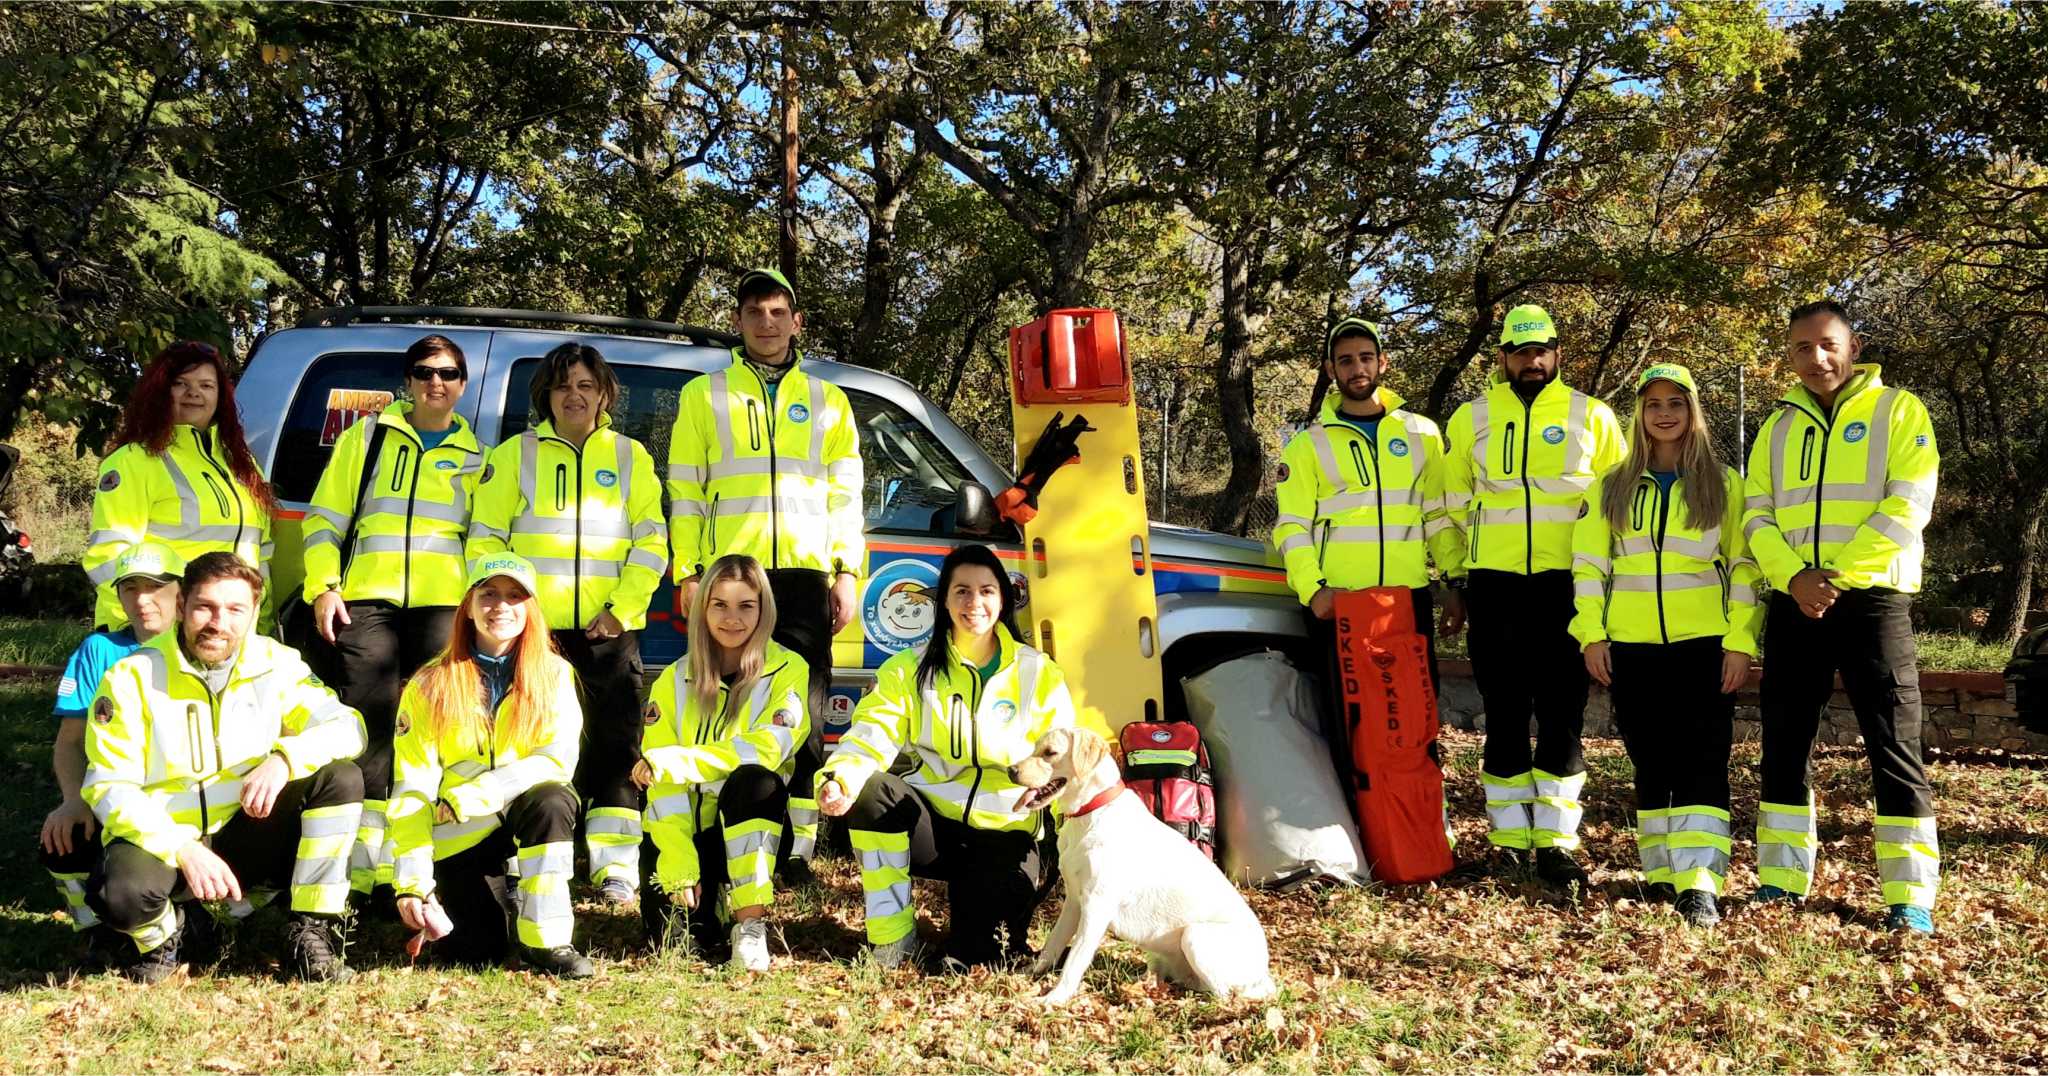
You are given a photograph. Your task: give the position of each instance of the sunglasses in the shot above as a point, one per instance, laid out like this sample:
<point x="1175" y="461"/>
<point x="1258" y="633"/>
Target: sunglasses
<point x="433" y="373"/>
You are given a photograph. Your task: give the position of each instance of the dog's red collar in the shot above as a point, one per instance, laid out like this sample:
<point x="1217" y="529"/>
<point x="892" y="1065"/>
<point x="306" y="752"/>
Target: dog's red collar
<point x="1101" y="799"/>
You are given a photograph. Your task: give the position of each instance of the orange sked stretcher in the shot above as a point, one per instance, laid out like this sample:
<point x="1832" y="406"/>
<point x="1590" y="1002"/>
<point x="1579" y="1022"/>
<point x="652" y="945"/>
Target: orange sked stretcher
<point x="1389" y="714"/>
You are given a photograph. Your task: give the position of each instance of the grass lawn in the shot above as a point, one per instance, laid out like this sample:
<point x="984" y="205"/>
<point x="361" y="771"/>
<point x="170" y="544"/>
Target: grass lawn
<point x="1491" y="975"/>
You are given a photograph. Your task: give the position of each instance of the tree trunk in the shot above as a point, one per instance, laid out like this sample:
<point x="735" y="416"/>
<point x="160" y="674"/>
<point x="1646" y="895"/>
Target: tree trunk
<point x="1233" y="383"/>
<point x="2008" y="620"/>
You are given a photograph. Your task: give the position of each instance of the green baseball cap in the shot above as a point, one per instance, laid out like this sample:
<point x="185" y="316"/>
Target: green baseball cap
<point x="510" y="565"/>
<point x="781" y="281"/>
<point x="1667" y="371"/>
<point x="153" y="559"/>
<point x="1527" y="324"/>
<point x="1351" y="325"/>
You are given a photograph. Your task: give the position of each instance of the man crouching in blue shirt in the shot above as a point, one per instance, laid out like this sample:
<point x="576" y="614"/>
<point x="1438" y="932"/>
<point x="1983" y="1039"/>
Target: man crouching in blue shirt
<point x="146" y="578"/>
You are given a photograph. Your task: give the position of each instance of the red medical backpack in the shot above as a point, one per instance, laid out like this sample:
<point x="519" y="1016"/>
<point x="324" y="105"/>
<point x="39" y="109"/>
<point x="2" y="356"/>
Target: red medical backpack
<point x="1167" y="766"/>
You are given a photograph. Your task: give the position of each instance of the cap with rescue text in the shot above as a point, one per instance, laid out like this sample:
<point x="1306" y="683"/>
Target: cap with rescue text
<point x="1350" y="325"/>
<point x="1525" y="325"/>
<point x="510" y="565"/>
<point x="769" y="274"/>
<point x="154" y="560"/>
<point x="1667" y="371"/>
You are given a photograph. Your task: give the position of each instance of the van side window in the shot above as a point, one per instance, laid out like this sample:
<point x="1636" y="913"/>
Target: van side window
<point x="644" y="411"/>
<point x="912" y="480"/>
<point x="339" y="389"/>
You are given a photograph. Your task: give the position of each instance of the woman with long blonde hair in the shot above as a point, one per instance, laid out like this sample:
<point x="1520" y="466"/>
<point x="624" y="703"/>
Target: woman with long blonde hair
<point x="487" y="740"/>
<point x="1667" y="618"/>
<point x="717" y="750"/>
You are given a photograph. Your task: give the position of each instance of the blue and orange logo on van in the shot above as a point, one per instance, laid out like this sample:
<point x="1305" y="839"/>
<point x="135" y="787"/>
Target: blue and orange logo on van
<point x="898" y="610"/>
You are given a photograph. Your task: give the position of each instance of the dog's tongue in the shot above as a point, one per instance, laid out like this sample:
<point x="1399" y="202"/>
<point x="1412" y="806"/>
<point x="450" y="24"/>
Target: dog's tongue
<point x="1024" y="801"/>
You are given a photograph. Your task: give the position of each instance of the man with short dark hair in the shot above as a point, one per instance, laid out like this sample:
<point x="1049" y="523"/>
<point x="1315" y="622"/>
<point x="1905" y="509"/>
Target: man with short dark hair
<point x="1841" y="483"/>
<point x="764" y="459"/>
<point x="218" y="766"/>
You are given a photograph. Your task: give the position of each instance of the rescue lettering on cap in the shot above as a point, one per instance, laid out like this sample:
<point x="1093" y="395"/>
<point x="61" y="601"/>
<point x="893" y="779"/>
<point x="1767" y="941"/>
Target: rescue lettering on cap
<point x="1855" y="432"/>
<point x="1529" y="326"/>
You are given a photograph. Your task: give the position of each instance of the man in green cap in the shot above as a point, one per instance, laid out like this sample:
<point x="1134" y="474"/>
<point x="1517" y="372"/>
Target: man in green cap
<point x="764" y="459"/>
<point x="1521" y="459"/>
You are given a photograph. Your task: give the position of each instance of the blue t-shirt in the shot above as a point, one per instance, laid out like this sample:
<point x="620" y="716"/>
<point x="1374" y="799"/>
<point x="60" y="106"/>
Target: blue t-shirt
<point x="431" y="439"/>
<point x="88" y="665"/>
<point x="1665" y="480"/>
<point x="1370" y="427"/>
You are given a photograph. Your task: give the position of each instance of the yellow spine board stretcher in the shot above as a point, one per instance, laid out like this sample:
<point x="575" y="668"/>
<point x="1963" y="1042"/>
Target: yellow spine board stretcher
<point x="1088" y="557"/>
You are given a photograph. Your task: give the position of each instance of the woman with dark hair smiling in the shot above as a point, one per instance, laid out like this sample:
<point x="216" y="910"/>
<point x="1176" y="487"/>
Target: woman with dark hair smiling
<point x="179" y="473"/>
<point x="971" y="703"/>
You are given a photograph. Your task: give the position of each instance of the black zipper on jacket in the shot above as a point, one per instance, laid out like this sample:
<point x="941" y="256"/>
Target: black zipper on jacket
<point x="411" y="495"/>
<point x="206" y="453"/>
<point x="1370" y="475"/>
<point x="576" y="579"/>
<point x="1657" y="543"/>
<point x="974" y="741"/>
<point x="1820" y="478"/>
<point x="1528" y="497"/>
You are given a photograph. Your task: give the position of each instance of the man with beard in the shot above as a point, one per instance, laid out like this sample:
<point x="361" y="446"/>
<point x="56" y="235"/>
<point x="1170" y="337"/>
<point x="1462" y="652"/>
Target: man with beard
<point x="1521" y="459"/>
<point x="1361" y="496"/>
<point x="218" y="767"/>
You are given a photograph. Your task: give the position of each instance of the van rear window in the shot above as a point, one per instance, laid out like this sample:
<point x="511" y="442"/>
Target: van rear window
<point x="339" y="389"/>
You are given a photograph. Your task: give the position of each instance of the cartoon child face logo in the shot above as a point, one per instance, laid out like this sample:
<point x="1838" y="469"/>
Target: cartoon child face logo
<point x="908" y="609"/>
<point x="898" y="609"/>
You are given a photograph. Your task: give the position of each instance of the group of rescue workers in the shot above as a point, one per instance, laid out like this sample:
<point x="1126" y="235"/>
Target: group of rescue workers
<point x="1641" y="560"/>
<point x="477" y="612"/>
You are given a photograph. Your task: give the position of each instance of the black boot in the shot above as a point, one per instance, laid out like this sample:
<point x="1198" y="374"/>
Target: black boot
<point x="1698" y="908"/>
<point x="562" y="960"/>
<point x="154" y="966"/>
<point x="313" y="948"/>
<point x="1558" y="867"/>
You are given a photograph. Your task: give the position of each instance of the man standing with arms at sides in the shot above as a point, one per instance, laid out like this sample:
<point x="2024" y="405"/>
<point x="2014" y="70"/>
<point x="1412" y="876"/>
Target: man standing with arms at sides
<point x="764" y="460"/>
<point x="1841" y="483"/>
<point x="1521" y="459"/>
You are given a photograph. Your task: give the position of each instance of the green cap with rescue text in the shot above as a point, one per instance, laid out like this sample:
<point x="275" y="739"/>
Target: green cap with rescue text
<point x="1667" y="371"/>
<point x="510" y="565"/>
<point x="1351" y="325"/>
<point x="781" y="281"/>
<point x="1527" y="324"/>
<point x="153" y="559"/>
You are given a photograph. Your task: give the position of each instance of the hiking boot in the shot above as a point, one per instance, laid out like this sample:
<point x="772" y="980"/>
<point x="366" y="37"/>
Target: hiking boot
<point x="1559" y="868"/>
<point x="750" y="944"/>
<point x="797" y="874"/>
<point x="1770" y="894"/>
<point x="1909" y="919"/>
<point x="103" y="948"/>
<point x="200" y="942"/>
<point x="1698" y="908"/>
<point x="1662" y="893"/>
<point x="616" y="892"/>
<point x="896" y="953"/>
<point x="155" y="966"/>
<point x="313" y="948"/>
<point x="562" y="960"/>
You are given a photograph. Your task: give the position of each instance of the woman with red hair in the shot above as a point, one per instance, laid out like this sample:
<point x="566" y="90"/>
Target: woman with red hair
<point x="180" y="473"/>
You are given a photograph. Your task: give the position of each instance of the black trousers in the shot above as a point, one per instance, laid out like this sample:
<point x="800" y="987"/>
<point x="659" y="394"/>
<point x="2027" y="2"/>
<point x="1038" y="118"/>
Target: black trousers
<point x="1322" y="636"/>
<point x="610" y="676"/>
<point x="84" y="855"/>
<point x="991" y="876"/>
<point x="1867" y="636"/>
<point x="374" y="654"/>
<point x="803" y="623"/>
<point x="471" y="884"/>
<point x="1526" y="664"/>
<point x="749" y="793"/>
<point x="1677" y="725"/>
<point x="129" y="887"/>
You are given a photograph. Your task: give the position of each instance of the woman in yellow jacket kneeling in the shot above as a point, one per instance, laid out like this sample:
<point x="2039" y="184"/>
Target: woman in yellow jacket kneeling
<point x="972" y="702"/>
<point x="487" y="740"/>
<point x="1667" y="617"/>
<point x="717" y="749"/>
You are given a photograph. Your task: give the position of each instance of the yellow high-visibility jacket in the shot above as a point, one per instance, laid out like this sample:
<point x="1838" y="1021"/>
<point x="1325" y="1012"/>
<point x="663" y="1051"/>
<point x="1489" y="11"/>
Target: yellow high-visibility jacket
<point x="590" y="522"/>
<point x="1516" y="473"/>
<point x="474" y="778"/>
<point x="1355" y="512"/>
<point x="692" y="752"/>
<point x="1660" y="580"/>
<point x="186" y="498"/>
<point x="778" y="480"/>
<point x="1849" y="491"/>
<point x="965" y="734"/>
<point x="165" y="757"/>
<point x="415" y="514"/>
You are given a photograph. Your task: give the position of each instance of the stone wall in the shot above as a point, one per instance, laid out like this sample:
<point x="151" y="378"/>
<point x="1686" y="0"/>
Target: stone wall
<point x="1963" y="710"/>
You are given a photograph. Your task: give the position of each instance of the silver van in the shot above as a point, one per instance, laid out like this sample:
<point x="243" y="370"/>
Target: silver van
<point x="928" y="482"/>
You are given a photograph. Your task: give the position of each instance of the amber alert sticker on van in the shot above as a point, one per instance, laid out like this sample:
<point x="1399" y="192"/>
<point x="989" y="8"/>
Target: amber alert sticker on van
<point x="346" y="407"/>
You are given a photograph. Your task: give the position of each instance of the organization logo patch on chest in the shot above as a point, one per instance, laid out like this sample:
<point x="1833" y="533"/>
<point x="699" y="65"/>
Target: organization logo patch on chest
<point x="1554" y="434"/>
<point x="1398" y="446"/>
<point x="798" y="412"/>
<point x="446" y="465"/>
<point x="607" y="479"/>
<point x="1855" y="432"/>
<point x="1003" y="710"/>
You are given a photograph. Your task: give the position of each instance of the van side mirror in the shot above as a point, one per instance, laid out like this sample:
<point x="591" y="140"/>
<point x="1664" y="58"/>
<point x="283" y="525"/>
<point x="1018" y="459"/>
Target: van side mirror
<point x="974" y="510"/>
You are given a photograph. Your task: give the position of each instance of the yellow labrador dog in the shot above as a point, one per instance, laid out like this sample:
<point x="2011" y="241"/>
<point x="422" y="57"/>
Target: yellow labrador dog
<point x="1126" y="872"/>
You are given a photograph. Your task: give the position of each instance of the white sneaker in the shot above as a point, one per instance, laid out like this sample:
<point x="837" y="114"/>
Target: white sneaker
<point x="750" y="944"/>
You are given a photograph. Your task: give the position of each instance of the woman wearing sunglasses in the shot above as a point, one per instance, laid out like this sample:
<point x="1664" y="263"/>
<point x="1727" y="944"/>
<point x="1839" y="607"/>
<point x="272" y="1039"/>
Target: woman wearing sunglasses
<point x="384" y="567"/>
